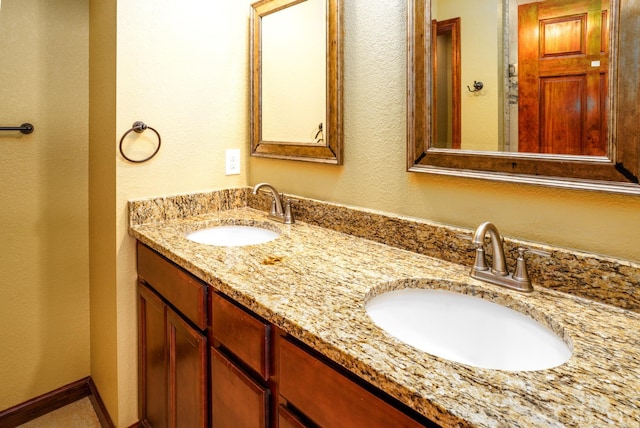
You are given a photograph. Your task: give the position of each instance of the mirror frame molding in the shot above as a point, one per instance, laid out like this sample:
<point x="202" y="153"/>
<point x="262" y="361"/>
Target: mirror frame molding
<point x="332" y="150"/>
<point x="618" y="172"/>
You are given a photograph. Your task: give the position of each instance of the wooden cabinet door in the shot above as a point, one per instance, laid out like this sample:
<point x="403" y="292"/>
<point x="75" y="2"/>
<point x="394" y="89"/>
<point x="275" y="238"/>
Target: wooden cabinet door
<point x="152" y="359"/>
<point x="172" y="366"/>
<point x="237" y="401"/>
<point x="187" y="351"/>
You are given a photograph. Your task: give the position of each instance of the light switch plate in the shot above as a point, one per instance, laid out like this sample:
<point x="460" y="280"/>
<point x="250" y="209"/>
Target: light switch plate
<point x="232" y="166"/>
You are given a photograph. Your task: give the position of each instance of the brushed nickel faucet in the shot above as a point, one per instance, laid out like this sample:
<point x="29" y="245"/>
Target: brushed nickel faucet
<point x="498" y="274"/>
<point x="279" y="212"/>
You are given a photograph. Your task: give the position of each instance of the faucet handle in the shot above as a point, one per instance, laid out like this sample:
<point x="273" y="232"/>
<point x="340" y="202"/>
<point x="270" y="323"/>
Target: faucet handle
<point x="480" y="264"/>
<point x="274" y="211"/>
<point x="521" y="273"/>
<point x="288" y="215"/>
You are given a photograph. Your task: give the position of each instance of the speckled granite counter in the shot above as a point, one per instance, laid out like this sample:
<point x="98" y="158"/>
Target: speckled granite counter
<point x="314" y="282"/>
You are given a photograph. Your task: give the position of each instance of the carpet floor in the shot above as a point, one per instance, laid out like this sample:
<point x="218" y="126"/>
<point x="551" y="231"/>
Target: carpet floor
<point x="79" y="414"/>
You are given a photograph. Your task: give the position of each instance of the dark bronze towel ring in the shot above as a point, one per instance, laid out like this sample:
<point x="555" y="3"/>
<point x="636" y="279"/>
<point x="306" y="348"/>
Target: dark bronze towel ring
<point x="139" y="127"/>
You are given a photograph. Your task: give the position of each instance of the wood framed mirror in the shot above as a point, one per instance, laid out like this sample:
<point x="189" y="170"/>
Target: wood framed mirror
<point x="614" y="168"/>
<point x="296" y="80"/>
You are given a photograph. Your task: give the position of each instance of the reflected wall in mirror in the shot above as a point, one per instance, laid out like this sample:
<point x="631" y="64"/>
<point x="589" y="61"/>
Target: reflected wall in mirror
<point x="293" y="81"/>
<point x="548" y="112"/>
<point x="296" y="80"/>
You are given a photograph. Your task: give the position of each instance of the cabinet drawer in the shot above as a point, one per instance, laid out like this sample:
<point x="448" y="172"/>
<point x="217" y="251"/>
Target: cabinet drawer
<point x="329" y="398"/>
<point x="182" y="290"/>
<point x="242" y="334"/>
<point x="286" y="419"/>
<point x="236" y="400"/>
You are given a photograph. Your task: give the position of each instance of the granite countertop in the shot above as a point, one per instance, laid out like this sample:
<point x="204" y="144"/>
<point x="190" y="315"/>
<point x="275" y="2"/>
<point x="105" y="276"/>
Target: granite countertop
<point x="313" y="283"/>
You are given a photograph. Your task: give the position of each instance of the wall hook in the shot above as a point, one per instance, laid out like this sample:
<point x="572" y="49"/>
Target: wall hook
<point x="477" y="86"/>
<point x="320" y="134"/>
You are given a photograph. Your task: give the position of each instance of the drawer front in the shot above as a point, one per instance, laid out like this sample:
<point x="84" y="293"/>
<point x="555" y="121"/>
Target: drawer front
<point x="185" y="292"/>
<point x="242" y="334"/>
<point x="236" y="400"/>
<point x="287" y="419"/>
<point x="327" y="397"/>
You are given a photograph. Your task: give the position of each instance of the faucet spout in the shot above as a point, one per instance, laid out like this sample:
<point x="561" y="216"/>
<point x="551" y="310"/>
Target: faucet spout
<point x="274" y="193"/>
<point x="499" y="260"/>
<point x="499" y="275"/>
<point x="280" y="210"/>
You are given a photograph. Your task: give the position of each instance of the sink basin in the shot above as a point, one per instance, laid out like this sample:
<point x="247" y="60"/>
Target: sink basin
<point x="233" y="235"/>
<point x="467" y="329"/>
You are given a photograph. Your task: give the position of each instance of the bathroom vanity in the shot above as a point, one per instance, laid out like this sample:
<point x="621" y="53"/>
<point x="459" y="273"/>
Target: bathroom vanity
<point x="255" y="369"/>
<point x="276" y="334"/>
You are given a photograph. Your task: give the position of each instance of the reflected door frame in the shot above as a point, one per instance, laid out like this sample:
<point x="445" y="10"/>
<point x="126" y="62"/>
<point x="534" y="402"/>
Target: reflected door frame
<point x="448" y="28"/>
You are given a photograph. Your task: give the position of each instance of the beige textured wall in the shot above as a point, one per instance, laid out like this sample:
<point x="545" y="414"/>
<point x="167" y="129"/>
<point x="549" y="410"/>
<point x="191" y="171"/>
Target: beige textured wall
<point x="44" y="279"/>
<point x="102" y="185"/>
<point x="182" y="68"/>
<point x="374" y="173"/>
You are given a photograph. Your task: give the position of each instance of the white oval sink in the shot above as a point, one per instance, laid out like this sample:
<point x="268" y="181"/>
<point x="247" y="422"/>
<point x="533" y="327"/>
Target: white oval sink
<point x="468" y="330"/>
<point x="233" y="235"/>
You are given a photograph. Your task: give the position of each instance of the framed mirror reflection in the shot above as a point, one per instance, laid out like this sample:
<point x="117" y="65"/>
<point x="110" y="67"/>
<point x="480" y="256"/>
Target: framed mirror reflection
<point x="526" y="91"/>
<point x="296" y="80"/>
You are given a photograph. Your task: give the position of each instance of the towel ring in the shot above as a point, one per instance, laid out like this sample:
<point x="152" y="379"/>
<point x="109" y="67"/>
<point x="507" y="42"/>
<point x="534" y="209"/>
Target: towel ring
<point x="139" y="127"/>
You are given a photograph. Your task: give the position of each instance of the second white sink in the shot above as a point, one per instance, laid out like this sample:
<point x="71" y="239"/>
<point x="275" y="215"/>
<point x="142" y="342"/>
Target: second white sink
<point x="468" y="330"/>
<point x="233" y="235"/>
